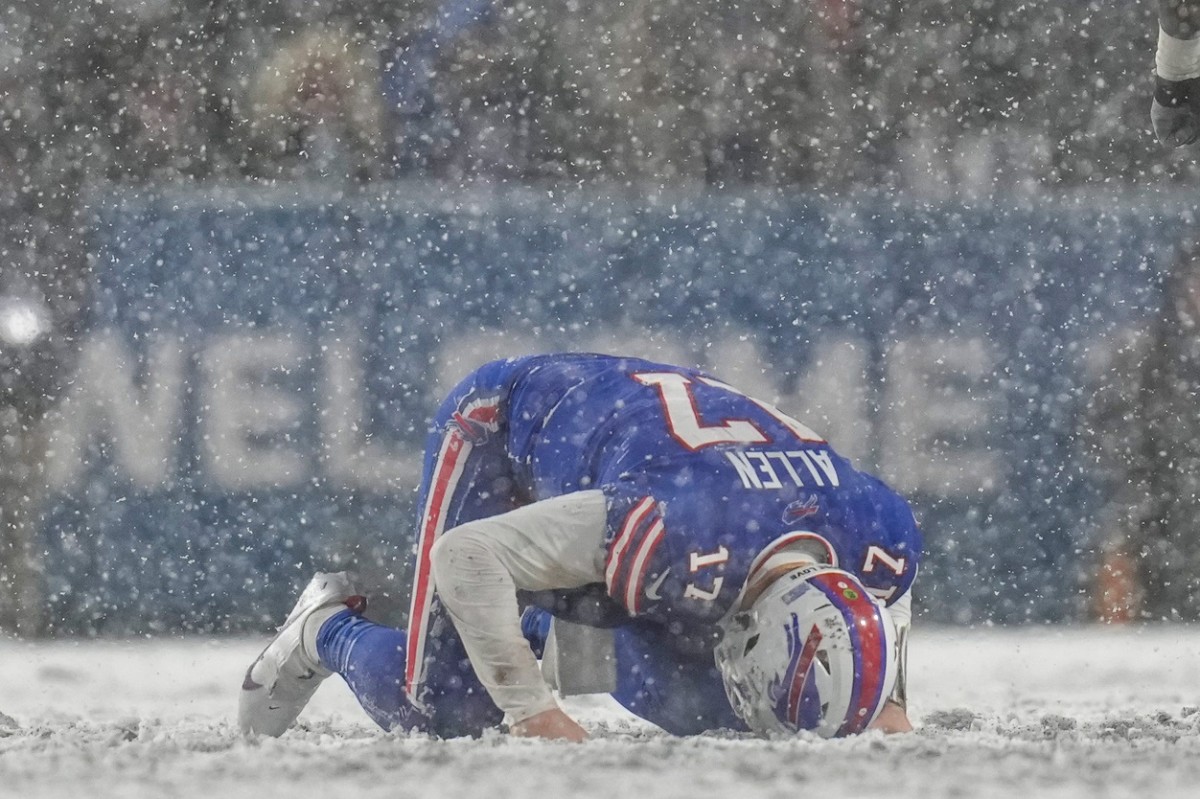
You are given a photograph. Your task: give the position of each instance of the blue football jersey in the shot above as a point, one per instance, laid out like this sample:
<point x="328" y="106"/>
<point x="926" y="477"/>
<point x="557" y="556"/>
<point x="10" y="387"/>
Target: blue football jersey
<point x="702" y="481"/>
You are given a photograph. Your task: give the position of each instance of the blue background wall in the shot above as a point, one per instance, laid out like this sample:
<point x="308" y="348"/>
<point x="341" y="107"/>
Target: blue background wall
<point x="399" y="284"/>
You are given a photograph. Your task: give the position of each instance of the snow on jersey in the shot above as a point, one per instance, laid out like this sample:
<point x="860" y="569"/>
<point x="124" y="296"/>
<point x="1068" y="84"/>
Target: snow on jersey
<point x="702" y="482"/>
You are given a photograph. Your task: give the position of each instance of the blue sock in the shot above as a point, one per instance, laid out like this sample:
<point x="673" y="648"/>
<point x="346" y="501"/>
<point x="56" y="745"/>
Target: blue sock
<point x="370" y="657"/>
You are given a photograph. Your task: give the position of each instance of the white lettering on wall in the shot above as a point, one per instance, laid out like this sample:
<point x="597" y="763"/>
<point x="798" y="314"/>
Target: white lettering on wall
<point x="250" y="417"/>
<point x="351" y="459"/>
<point x="937" y="409"/>
<point x="637" y="342"/>
<point x="830" y="396"/>
<point x="459" y="356"/>
<point x="255" y="416"/>
<point x="139" y="414"/>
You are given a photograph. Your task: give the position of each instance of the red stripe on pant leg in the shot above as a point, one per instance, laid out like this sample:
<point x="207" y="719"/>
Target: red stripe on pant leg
<point x="453" y="455"/>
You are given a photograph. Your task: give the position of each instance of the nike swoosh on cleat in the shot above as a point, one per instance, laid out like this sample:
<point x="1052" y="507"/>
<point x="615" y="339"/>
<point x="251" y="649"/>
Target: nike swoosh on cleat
<point x="652" y="589"/>
<point x="248" y="684"/>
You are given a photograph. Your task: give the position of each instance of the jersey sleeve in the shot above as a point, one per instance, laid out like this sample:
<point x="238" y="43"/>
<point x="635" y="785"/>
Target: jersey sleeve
<point x="661" y="566"/>
<point x="637" y="558"/>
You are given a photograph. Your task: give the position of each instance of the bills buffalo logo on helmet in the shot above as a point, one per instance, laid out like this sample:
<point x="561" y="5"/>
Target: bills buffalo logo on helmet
<point x="797" y="701"/>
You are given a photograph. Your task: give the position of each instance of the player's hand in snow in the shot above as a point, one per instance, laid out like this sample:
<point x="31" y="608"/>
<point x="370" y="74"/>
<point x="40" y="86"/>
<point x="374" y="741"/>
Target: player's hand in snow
<point x="551" y="724"/>
<point x="1173" y="112"/>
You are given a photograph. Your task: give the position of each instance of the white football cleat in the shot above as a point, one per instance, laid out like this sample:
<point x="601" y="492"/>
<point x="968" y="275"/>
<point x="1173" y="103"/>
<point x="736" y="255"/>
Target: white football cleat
<point x="279" y="684"/>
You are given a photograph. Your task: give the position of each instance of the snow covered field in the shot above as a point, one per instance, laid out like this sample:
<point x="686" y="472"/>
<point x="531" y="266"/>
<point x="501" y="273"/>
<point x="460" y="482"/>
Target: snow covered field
<point x="1038" y="712"/>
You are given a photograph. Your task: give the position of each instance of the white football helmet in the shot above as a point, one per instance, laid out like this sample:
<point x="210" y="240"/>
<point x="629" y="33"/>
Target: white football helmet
<point x="814" y="652"/>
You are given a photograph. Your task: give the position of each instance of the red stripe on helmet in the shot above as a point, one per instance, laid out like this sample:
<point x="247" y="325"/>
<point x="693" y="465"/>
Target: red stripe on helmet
<point x="869" y="640"/>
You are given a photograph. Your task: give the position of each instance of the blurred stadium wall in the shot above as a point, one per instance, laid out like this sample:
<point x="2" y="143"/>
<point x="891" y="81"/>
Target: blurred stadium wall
<point x="253" y="387"/>
<point x="265" y="235"/>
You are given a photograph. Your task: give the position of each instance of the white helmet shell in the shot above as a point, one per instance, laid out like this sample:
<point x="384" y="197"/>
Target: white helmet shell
<point x="814" y="652"/>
